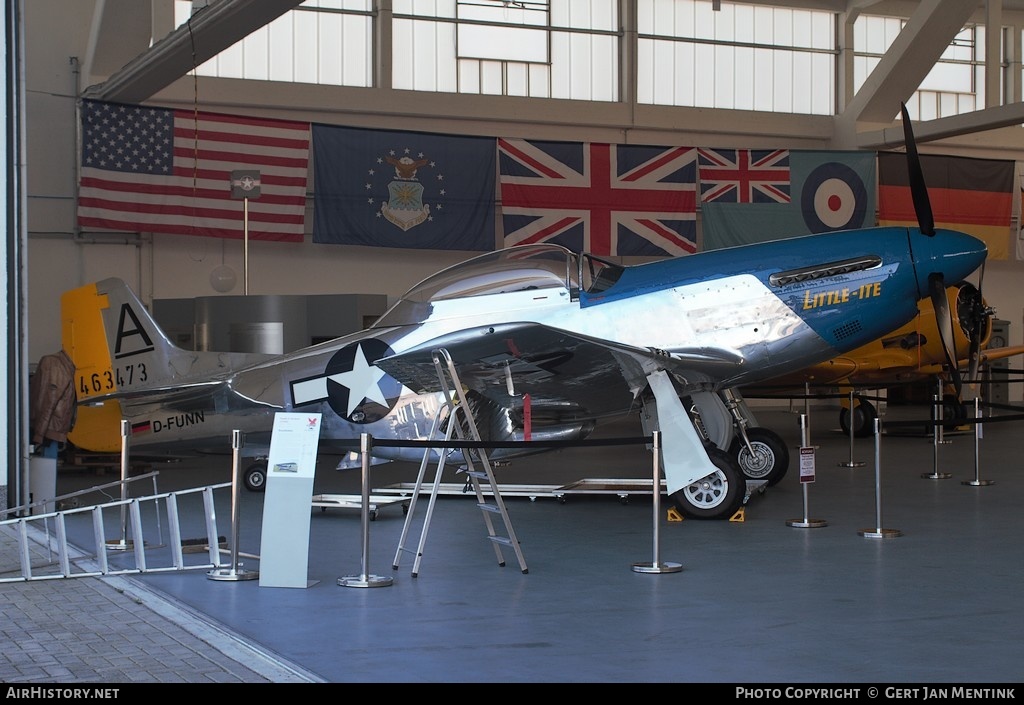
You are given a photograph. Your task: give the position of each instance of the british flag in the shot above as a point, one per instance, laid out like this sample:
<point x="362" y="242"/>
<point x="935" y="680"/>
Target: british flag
<point x="744" y="175"/>
<point x="612" y="200"/>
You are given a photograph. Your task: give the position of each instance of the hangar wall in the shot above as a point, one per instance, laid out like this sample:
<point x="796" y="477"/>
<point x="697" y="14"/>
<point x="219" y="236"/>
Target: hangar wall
<point x="171" y="267"/>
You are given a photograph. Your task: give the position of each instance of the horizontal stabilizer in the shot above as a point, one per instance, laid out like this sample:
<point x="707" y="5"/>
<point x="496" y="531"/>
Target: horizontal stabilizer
<point x="119" y="350"/>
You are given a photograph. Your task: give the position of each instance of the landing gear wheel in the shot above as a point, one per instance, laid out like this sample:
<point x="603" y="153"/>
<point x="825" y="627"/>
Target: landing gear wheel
<point x="770" y="459"/>
<point x="954" y="412"/>
<point x="255" y="477"/>
<point x="864" y="416"/>
<point x="715" y="496"/>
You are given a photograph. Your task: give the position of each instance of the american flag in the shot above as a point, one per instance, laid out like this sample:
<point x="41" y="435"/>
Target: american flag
<point x="611" y="200"/>
<point x="147" y="169"/>
<point x="744" y="175"/>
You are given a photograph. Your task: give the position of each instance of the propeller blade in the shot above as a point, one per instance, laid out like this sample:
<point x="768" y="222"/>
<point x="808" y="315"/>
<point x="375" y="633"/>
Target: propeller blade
<point x="918" y="190"/>
<point x="944" y="322"/>
<point x="980" y="316"/>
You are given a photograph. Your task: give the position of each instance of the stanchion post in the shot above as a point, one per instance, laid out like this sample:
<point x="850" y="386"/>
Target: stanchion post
<point x="123" y="544"/>
<point x="878" y="532"/>
<point x="977" y="481"/>
<point x="940" y="430"/>
<point x="237" y="441"/>
<point x="807" y="406"/>
<point x="657" y="566"/>
<point x="364" y="579"/>
<point x="938" y="420"/>
<point x="235" y="571"/>
<point x="805" y="443"/>
<point x="851" y="463"/>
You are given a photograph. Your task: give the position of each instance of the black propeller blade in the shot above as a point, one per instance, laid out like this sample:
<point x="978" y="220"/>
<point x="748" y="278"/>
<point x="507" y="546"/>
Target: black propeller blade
<point x="944" y="322"/>
<point x="936" y="285"/>
<point x="918" y="190"/>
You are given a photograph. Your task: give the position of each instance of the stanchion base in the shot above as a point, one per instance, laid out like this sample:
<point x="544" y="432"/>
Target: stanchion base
<point x="880" y="533"/>
<point x="936" y="475"/>
<point x="978" y="483"/>
<point x="232" y="574"/>
<point x="851" y="464"/>
<point x="118" y="545"/>
<point x="365" y="581"/>
<point x="651" y="567"/>
<point x="806" y="523"/>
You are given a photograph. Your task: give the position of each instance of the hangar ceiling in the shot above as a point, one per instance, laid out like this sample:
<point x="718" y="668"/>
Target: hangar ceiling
<point x="146" y="70"/>
<point x="133" y="71"/>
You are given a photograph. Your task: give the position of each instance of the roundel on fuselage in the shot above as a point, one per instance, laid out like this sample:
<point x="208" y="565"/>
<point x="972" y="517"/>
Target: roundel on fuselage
<point x="357" y="390"/>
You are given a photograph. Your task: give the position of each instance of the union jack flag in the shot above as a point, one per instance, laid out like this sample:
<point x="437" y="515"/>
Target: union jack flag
<point x="744" y="175"/>
<point x="612" y="200"/>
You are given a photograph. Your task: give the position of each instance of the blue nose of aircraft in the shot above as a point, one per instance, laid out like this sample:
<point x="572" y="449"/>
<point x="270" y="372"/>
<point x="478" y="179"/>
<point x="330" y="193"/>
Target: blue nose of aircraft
<point x="951" y="254"/>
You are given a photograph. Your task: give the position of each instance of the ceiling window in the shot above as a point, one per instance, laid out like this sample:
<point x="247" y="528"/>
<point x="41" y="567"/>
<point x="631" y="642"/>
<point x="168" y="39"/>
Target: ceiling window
<point x="699" y="53"/>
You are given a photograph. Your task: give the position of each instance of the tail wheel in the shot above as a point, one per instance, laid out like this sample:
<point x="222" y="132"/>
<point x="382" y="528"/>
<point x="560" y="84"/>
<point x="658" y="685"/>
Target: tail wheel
<point x="715" y="496"/>
<point x="864" y="416"/>
<point x="255" y="477"/>
<point x="770" y="459"/>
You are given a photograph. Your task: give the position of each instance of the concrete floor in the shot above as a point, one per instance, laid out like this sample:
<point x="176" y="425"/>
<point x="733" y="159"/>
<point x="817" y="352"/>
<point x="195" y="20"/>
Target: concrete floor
<point x="935" y="598"/>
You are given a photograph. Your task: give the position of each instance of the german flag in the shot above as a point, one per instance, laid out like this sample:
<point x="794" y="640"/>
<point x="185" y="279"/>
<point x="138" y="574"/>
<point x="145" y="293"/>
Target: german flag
<point x="971" y="195"/>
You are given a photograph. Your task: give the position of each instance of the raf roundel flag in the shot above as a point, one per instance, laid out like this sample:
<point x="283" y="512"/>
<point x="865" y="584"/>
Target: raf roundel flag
<point x="752" y="196"/>
<point x="381" y="188"/>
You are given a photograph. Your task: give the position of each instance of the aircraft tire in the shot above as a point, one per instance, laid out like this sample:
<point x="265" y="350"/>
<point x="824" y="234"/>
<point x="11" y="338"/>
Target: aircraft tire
<point x="716" y="496"/>
<point x="954" y="412"/>
<point x="770" y="460"/>
<point x="864" y="416"/>
<point x="255" y="477"/>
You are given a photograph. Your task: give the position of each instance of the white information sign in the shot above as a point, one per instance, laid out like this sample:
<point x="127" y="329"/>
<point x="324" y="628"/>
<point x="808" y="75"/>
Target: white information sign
<point x="806" y="464"/>
<point x="291" y="467"/>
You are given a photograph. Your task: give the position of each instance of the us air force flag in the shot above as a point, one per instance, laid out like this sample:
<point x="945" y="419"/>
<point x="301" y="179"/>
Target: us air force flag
<point x="800" y="193"/>
<point x="382" y="188"/>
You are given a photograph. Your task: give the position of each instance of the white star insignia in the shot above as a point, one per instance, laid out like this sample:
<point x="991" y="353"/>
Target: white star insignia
<point x="361" y="381"/>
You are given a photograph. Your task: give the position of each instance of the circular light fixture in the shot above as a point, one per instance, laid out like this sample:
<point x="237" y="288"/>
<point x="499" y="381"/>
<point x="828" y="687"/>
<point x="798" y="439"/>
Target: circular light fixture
<point x="223" y="279"/>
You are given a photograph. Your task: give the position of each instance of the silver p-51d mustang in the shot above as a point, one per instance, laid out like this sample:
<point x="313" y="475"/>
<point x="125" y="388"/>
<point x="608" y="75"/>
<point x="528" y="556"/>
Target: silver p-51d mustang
<point x="547" y="343"/>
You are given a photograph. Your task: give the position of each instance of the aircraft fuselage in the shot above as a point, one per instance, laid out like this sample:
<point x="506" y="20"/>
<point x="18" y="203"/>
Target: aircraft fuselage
<point x="532" y="321"/>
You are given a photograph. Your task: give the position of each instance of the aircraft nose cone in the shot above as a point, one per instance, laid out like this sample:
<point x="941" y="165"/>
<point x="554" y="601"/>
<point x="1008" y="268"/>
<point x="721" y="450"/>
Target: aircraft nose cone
<point x="952" y="254"/>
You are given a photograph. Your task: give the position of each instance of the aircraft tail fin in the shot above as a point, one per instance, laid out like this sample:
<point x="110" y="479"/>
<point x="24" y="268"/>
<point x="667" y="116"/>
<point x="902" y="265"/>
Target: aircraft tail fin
<point x="118" y="349"/>
<point x="116" y="346"/>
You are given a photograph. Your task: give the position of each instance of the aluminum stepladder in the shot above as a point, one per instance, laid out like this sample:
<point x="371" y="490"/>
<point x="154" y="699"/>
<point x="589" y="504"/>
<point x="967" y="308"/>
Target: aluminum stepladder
<point x="457" y="419"/>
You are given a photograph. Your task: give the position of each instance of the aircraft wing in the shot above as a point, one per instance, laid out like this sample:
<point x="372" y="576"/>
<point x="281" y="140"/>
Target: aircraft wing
<point x="879" y="364"/>
<point x="891" y="365"/>
<point x="990" y="354"/>
<point x="557" y="368"/>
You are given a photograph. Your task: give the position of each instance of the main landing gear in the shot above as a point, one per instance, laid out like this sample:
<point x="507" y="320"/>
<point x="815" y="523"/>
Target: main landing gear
<point x="255" y="476"/>
<point x="715" y="496"/>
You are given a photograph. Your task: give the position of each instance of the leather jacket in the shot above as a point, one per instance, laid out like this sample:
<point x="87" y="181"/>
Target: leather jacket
<point x="52" y="398"/>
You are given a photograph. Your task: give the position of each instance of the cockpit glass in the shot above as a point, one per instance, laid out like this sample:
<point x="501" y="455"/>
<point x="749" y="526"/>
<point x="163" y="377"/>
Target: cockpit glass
<point x="598" y="274"/>
<point x="512" y="269"/>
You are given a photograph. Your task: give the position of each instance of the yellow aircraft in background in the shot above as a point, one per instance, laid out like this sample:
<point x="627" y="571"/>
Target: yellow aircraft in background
<point x="914" y="352"/>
